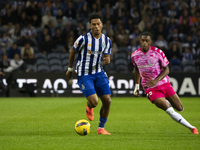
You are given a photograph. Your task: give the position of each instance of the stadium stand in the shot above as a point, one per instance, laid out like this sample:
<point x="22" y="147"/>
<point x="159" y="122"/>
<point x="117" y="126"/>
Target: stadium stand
<point x="51" y="30"/>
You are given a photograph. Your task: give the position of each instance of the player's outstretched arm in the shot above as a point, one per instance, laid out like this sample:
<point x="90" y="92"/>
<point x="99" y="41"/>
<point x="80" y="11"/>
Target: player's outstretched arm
<point x="71" y="62"/>
<point x="137" y="82"/>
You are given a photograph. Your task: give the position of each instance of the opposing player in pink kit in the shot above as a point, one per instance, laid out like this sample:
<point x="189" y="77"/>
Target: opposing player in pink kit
<point x="151" y="65"/>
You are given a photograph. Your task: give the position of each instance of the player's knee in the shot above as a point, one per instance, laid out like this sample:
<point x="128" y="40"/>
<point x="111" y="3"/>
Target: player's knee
<point x="180" y="108"/>
<point x="107" y="101"/>
<point x="94" y="103"/>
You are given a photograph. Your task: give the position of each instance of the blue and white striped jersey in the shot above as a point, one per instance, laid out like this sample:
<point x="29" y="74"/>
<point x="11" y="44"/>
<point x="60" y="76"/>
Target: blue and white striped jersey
<point x="90" y="53"/>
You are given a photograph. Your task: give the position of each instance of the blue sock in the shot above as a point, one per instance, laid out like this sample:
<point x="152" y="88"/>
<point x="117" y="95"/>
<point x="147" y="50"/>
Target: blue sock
<point x="102" y="122"/>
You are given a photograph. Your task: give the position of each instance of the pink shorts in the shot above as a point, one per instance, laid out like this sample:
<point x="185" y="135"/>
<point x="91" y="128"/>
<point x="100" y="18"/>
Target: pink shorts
<point x="164" y="90"/>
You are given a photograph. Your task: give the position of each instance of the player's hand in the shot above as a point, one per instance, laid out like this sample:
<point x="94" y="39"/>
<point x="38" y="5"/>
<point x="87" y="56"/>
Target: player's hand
<point x="69" y="74"/>
<point x="136" y="90"/>
<point x="151" y="83"/>
<point x="106" y="60"/>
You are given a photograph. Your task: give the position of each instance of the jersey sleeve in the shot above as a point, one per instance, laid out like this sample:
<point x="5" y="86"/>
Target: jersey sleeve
<point x="132" y="59"/>
<point x="108" y="48"/>
<point x="163" y="59"/>
<point x="78" y="43"/>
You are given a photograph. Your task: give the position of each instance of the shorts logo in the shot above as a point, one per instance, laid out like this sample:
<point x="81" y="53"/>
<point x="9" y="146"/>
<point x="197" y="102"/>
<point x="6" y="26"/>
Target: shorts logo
<point x="82" y="86"/>
<point x="149" y="94"/>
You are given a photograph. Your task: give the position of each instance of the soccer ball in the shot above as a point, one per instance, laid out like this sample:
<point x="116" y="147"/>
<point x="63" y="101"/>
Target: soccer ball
<point x="82" y="127"/>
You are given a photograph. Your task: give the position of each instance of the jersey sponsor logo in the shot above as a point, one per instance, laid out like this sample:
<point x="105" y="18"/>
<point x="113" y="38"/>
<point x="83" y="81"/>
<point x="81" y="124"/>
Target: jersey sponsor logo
<point x="93" y="52"/>
<point x="89" y="44"/>
<point x="150" y="65"/>
<point x="89" y="52"/>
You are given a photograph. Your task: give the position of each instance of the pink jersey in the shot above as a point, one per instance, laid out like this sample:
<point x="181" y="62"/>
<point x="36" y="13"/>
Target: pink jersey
<point x="149" y="64"/>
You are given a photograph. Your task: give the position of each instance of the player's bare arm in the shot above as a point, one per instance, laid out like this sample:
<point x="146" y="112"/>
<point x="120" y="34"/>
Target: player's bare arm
<point x="163" y="74"/>
<point x="106" y="59"/>
<point x="137" y="82"/>
<point x="71" y="62"/>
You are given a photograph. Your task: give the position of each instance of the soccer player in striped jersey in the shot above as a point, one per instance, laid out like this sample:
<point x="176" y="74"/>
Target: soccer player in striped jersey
<point x="92" y="48"/>
<point x="151" y="65"/>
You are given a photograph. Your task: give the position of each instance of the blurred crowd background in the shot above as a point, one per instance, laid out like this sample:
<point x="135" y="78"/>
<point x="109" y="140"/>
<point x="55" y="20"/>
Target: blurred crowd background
<point x="36" y="36"/>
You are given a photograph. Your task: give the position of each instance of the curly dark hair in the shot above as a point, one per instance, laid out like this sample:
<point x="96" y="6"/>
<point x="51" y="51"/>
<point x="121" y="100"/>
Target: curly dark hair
<point x="95" y="16"/>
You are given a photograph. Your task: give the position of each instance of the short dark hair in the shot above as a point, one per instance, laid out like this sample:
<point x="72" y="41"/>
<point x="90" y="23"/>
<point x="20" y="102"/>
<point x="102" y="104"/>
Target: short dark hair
<point x="146" y="34"/>
<point x="95" y="16"/>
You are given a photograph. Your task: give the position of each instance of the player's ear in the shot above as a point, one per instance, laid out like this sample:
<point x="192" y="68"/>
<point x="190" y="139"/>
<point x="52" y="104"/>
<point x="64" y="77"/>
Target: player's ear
<point x="150" y="41"/>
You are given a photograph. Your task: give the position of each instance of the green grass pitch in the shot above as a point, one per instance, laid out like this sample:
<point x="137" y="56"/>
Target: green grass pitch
<point x="135" y="123"/>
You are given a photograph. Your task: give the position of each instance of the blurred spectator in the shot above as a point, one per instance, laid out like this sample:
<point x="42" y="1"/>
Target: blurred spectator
<point x="15" y="32"/>
<point x="80" y="28"/>
<point x="189" y="42"/>
<point x="70" y="12"/>
<point x="28" y="35"/>
<point x="162" y="44"/>
<point x="160" y="31"/>
<point x="13" y="50"/>
<point x="60" y="19"/>
<point x="197" y="37"/>
<point x="67" y="28"/>
<point x="23" y="19"/>
<point x="175" y="60"/>
<point x="16" y="3"/>
<point x="58" y="38"/>
<point x="172" y="25"/>
<point x="134" y="45"/>
<point x="197" y="59"/>
<point x="40" y="37"/>
<point x="27" y="54"/>
<point x="3" y="88"/>
<point x="107" y="9"/>
<point x="172" y="12"/>
<point x="7" y="18"/>
<point x="5" y="63"/>
<point x="117" y="12"/>
<point x="56" y="6"/>
<point x="47" y="45"/>
<point x="84" y="13"/>
<point x="52" y="27"/>
<point x="68" y="44"/>
<point x="32" y="10"/>
<point x="186" y="17"/>
<point x="114" y="47"/>
<point x="47" y="18"/>
<point x="187" y="55"/>
<point x="134" y="34"/>
<point x="184" y="28"/>
<point x="6" y="41"/>
<point x="45" y="5"/>
<point x="35" y="21"/>
<point x="2" y="52"/>
<point x="18" y="11"/>
<point x="177" y="42"/>
<point x="149" y="28"/>
<point x="16" y="64"/>
<point x="174" y="51"/>
<point x="122" y="38"/>
<point x="107" y="28"/>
